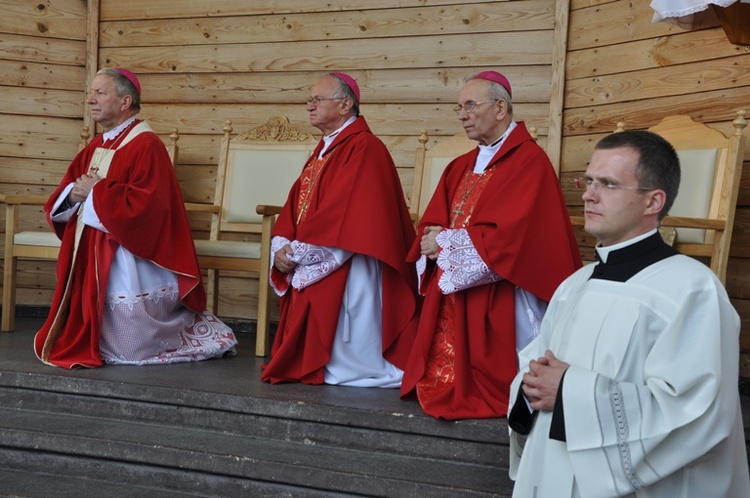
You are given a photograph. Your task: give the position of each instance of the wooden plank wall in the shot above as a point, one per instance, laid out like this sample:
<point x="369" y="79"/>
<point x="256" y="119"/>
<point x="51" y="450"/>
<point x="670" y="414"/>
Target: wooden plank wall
<point x="42" y="76"/>
<point x="206" y="62"/>
<point x="621" y="67"/>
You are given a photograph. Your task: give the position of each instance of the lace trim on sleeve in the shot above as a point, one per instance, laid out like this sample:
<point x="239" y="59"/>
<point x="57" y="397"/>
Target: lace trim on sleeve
<point x="314" y="263"/>
<point x="461" y="264"/>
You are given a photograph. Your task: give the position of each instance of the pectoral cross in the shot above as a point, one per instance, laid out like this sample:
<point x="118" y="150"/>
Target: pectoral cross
<point x="302" y="210"/>
<point x="457" y="212"/>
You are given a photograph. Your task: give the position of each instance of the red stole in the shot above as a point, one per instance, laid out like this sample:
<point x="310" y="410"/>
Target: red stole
<point x="440" y="370"/>
<point x="308" y="182"/>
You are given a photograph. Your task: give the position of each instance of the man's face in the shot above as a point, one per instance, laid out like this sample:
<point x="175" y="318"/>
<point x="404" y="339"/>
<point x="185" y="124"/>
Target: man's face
<point x="614" y="215"/>
<point x="107" y="108"/>
<point x="485" y="122"/>
<point x="327" y="115"/>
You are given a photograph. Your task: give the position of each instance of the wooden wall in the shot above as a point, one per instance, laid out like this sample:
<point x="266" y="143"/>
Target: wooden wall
<point x="206" y="62"/>
<point x="42" y="76"/>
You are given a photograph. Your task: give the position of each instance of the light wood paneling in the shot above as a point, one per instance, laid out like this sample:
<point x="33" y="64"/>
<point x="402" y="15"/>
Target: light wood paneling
<point x="707" y="107"/>
<point x="530" y="84"/>
<point x="59" y="19"/>
<point x="40" y="50"/>
<point x="394" y="119"/>
<point x="35" y="75"/>
<point x="148" y="9"/>
<point x="38" y="136"/>
<point x="428" y="51"/>
<point x="681" y="48"/>
<point x="246" y="27"/>
<point x="684" y="79"/>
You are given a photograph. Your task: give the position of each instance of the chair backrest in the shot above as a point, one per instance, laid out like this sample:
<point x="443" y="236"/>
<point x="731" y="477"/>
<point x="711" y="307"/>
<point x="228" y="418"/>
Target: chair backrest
<point x="257" y="167"/>
<point x="711" y="165"/>
<point x="430" y="164"/>
<point x="711" y="168"/>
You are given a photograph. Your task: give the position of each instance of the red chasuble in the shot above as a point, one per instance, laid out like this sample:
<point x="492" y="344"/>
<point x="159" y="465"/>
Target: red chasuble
<point x="355" y="202"/>
<point x="140" y="203"/>
<point x="520" y="227"/>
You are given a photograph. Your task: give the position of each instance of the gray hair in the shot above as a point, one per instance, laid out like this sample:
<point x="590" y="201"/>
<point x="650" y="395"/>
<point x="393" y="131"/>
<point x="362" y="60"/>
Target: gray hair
<point x="344" y="92"/>
<point x="497" y="92"/>
<point x="123" y="86"/>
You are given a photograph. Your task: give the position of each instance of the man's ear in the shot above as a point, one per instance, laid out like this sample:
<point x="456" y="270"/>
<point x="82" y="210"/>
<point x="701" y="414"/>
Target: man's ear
<point x="346" y="105"/>
<point x="127" y="100"/>
<point x="656" y="200"/>
<point x="502" y="109"/>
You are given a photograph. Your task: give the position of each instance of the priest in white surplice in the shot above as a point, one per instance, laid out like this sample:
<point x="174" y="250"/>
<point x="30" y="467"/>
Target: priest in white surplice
<point x="631" y="387"/>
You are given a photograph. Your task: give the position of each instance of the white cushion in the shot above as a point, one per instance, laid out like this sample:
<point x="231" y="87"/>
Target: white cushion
<point x="228" y="248"/>
<point x="696" y="186"/>
<point x="260" y="177"/>
<point x="433" y="170"/>
<point x="42" y="239"/>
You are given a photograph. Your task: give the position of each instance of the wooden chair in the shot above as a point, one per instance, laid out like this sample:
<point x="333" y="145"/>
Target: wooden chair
<point x="711" y="163"/>
<point x="35" y="244"/>
<point x="429" y="165"/>
<point x="255" y="172"/>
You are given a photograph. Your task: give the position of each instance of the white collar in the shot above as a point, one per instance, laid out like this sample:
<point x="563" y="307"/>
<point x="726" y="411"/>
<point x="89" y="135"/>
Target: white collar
<point x="114" y="132"/>
<point x="327" y="139"/>
<point x="487" y="152"/>
<point x="603" y="251"/>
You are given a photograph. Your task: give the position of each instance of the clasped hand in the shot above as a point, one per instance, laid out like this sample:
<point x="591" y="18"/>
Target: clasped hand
<point x="428" y="245"/>
<point x="82" y="187"/>
<point x="541" y="382"/>
<point x="281" y="259"/>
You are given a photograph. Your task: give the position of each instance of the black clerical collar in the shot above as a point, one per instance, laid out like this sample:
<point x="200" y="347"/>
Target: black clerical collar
<point x="624" y="263"/>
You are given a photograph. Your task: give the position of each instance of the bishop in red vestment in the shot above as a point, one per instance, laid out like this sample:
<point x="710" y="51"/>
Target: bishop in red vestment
<point x="348" y="305"/>
<point x="129" y="287"/>
<point x="496" y="243"/>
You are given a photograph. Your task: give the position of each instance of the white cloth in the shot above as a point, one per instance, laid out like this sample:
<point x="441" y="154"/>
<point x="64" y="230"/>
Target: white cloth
<point x="681" y="12"/>
<point x="357" y="354"/>
<point x="144" y="320"/>
<point x="487" y="152"/>
<point x="328" y="139"/>
<point x="650" y="401"/>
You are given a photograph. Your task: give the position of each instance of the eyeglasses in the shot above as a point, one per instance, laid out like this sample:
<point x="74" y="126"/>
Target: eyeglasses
<point x="470" y="105"/>
<point x="585" y="183"/>
<point x="315" y="101"/>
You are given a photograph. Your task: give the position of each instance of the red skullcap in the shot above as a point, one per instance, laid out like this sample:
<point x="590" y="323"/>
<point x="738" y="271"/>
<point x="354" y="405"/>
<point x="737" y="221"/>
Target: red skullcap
<point x="497" y="78"/>
<point x="350" y="83"/>
<point x="130" y="76"/>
